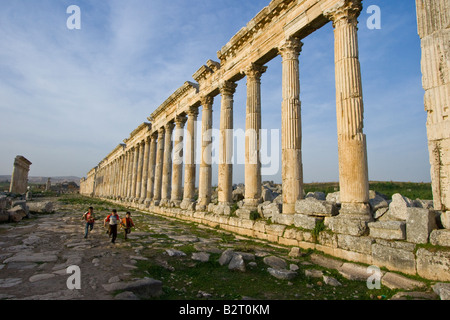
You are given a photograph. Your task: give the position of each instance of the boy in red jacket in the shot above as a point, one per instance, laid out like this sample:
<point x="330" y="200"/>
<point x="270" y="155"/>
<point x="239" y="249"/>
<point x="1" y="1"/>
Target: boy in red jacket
<point x="127" y="224"/>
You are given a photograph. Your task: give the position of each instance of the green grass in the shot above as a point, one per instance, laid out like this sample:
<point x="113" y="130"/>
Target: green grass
<point x="412" y="190"/>
<point x="191" y="277"/>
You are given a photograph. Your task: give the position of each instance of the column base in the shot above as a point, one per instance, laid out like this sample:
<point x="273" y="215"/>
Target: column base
<point x="187" y="204"/>
<point x="175" y="203"/>
<point x="147" y="202"/>
<point x="356" y="210"/>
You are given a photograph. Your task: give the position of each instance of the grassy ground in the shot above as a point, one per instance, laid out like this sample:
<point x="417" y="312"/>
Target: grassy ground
<point x="411" y="190"/>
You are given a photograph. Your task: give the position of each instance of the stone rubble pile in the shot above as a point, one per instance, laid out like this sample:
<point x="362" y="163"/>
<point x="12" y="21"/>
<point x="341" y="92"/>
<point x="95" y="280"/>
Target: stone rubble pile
<point x="14" y="208"/>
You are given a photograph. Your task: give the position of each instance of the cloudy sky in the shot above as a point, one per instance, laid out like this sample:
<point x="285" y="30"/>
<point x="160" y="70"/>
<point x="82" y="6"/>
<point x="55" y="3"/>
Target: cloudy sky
<point x="68" y="97"/>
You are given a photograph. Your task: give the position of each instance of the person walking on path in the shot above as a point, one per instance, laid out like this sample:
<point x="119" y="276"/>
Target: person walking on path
<point x="127" y="224"/>
<point x="90" y="220"/>
<point x="113" y="219"/>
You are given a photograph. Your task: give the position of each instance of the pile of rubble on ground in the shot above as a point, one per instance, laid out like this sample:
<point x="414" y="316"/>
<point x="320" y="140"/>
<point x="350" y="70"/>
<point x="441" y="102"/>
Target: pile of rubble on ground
<point x="14" y="208"/>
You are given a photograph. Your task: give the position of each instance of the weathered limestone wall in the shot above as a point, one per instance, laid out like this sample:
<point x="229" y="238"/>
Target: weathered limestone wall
<point x="19" y="178"/>
<point x="146" y="171"/>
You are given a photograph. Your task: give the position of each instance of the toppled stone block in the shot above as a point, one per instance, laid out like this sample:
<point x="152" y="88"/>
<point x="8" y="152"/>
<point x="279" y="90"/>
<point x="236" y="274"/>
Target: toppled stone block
<point x="419" y="224"/>
<point x="16" y="214"/>
<point x="145" y="288"/>
<point x="433" y="265"/>
<point x="390" y="230"/>
<point x="41" y="207"/>
<point x="282" y="274"/>
<point x="275" y="262"/>
<point x="353" y="271"/>
<point x="237" y="263"/>
<point x="377" y="201"/>
<point x="316" y="195"/>
<point x="440" y="237"/>
<point x="334" y="197"/>
<point x="395" y="281"/>
<point x="313" y="207"/>
<point x="442" y="290"/>
<point x="398" y="207"/>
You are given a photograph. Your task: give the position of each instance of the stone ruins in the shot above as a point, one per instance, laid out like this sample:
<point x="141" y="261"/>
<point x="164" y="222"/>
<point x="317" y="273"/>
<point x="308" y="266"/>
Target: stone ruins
<point x="146" y="171"/>
<point x="19" y="178"/>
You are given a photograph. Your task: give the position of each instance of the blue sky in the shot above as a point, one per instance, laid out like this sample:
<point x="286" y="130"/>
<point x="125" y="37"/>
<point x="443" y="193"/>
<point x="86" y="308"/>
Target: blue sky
<point x="68" y="97"/>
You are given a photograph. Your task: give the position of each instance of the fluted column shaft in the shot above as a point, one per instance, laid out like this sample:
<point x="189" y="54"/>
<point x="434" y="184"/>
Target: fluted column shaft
<point x="134" y="174"/>
<point x="145" y="171"/>
<point x="353" y="169"/>
<point x="177" y="170"/>
<point x="189" y="165"/>
<point x="167" y="165"/>
<point x="225" y="185"/>
<point x="130" y="173"/>
<point x="151" y="171"/>
<point x="140" y="166"/>
<point x="252" y="136"/>
<point x="291" y="135"/>
<point x="205" y="178"/>
<point x="159" y="167"/>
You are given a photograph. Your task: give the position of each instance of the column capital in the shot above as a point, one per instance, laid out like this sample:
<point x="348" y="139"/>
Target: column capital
<point x="254" y="71"/>
<point x="344" y="11"/>
<point x="180" y="121"/>
<point x="161" y="132"/>
<point x="169" y="126"/>
<point x="227" y="87"/>
<point x="206" y="101"/>
<point x="192" y="112"/>
<point x="290" y="48"/>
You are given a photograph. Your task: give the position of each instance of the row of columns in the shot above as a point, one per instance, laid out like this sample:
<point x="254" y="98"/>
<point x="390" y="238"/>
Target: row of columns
<point x="149" y="174"/>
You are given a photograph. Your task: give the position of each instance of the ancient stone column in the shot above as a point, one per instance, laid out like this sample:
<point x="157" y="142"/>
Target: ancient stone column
<point x="140" y="166"/>
<point x="145" y="171"/>
<point x="135" y="172"/>
<point x="252" y="136"/>
<point x="159" y="167"/>
<point x="225" y="180"/>
<point x="167" y="165"/>
<point x="120" y="177"/>
<point x="291" y="135"/>
<point x="177" y="171"/>
<point x="433" y="18"/>
<point x="151" y="170"/>
<point x="353" y="170"/>
<point x="205" y="178"/>
<point x="130" y="173"/>
<point x="19" y="177"/>
<point x="189" y="165"/>
<point x="125" y="176"/>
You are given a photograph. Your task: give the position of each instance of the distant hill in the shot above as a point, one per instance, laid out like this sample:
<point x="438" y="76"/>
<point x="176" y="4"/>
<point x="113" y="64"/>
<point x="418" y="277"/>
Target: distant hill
<point x="43" y="180"/>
